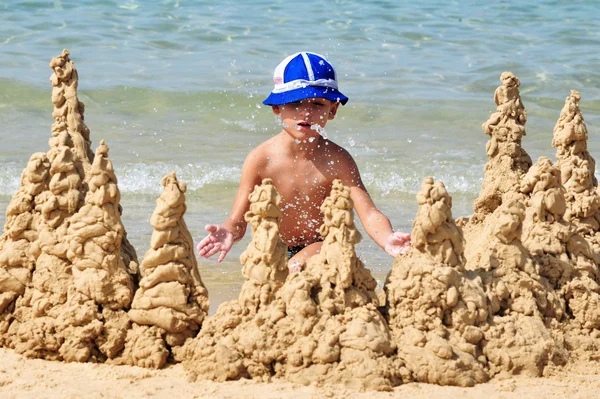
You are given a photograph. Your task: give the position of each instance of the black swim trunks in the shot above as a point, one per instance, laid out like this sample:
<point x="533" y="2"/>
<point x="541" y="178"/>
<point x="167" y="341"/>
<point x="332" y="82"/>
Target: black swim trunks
<point x="293" y="250"/>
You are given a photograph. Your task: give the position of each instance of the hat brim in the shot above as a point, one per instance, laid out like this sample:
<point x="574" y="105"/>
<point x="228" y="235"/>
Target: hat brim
<point x="303" y="93"/>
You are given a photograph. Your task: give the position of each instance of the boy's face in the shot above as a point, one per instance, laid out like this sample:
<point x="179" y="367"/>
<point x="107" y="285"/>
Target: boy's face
<point x="299" y="118"/>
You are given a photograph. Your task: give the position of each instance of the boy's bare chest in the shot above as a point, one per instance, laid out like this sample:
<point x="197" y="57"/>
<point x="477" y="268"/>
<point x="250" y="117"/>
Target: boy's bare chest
<point x="303" y="187"/>
<point x="301" y="184"/>
<point x="300" y="179"/>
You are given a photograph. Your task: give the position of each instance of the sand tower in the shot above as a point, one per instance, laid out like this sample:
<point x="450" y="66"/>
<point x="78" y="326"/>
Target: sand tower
<point x="215" y="353"/>
<point x="171" y="302"/>
<point x="566" y="259"/>
<point x="435" y="307"/>
<point x="322" y="325"/>
<point x="265" y="259"/>
<point x="64" y="257"/>
<point x="508" y="161"/>
<point x="522" y="302"/>
<point x="577" y="169"/>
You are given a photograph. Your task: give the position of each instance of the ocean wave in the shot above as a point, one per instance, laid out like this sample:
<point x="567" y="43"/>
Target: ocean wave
<point x="457" y="179"/>
<point x="141" y="178"/>
<point x="145" y="178"/>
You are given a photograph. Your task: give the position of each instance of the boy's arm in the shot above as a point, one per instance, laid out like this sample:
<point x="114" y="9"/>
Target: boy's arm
<point x="222" y="237"/>
<point x="376" y="224"/>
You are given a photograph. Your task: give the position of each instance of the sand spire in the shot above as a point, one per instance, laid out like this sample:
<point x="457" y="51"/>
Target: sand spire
<point x="68" y="110"/>
<point x="265" y="259"/>
<point x="508" y="161"/>
<point x="171" y="302"/>
<point x="218" y="351"/>
<point x="18" y="248"/>
<point x="94" y="235"/>
<point x="577" y="169"/>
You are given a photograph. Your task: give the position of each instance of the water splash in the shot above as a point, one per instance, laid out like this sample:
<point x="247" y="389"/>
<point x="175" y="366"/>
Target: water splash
<point x="319" y="129"/>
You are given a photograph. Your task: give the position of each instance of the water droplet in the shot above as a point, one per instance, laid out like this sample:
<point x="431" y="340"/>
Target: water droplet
<point x="409" y="140"/>
<point x="311" y="139"/>
<point x="351" y="141"/>
<point x="297" y="141"/>
<point x="319" y="130"/>
<point x="155" y="110"/>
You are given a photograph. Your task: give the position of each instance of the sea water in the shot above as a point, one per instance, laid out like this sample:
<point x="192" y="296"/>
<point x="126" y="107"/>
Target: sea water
<point x="178" y="86"/>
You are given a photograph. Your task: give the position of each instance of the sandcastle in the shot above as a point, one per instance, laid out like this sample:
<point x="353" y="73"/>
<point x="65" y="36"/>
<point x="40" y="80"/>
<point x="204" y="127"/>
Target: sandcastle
<point x="64" y="257"/>
<point x="67" y="272"/>
<point x="515" y="289"/>
<point x="322" y="324"/>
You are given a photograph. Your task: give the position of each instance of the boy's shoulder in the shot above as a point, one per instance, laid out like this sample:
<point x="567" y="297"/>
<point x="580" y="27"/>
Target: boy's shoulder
<point x="266" y="148"/>
<point x="335" y="151"/>
<point x="273" y="145"/>
<point x="272" y="151"/>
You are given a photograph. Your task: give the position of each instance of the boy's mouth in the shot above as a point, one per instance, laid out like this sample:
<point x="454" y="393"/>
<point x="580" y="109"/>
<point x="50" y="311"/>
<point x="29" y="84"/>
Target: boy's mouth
<point x="304" y="124"/>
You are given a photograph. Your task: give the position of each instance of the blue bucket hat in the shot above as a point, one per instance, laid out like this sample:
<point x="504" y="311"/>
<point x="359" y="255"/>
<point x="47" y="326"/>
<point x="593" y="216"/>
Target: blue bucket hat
<point x="304" y="75"/>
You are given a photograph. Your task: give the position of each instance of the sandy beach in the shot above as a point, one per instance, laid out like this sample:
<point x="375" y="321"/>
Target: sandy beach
<point x="20" y="377"/>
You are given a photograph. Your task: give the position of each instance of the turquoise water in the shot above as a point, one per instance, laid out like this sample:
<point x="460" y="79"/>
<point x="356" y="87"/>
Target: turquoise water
<point x="178" y="85"/>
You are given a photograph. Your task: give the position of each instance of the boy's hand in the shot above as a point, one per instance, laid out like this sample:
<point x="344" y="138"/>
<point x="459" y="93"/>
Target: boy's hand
<point x="398" y="243"/>
<point x="219" y="240"/>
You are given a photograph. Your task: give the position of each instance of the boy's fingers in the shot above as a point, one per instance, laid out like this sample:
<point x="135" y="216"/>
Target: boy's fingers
<point x="222" y="256"/>
<point x="209" y="239"/>
<point x="213" y="250"/>
<point x="402" y="236"/>
<point x="203" y="243"/>
<point x="211" y="228"/>
<point x="207" y="249"/>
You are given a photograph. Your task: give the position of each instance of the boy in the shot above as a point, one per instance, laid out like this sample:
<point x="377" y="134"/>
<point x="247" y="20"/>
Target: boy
<point x="303" y="165"/>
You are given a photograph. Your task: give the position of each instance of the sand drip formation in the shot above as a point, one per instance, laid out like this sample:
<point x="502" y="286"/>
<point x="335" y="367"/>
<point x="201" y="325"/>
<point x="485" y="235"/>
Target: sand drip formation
<point x="514" y="289"/>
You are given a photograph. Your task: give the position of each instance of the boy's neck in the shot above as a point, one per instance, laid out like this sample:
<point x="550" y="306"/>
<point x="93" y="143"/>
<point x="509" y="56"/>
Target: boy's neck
<point x="303" y="148"/>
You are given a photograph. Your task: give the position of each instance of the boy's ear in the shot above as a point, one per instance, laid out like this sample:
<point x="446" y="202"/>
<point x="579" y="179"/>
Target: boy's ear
<point x="333" y="110"/>
<point x="276" y="109"/>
